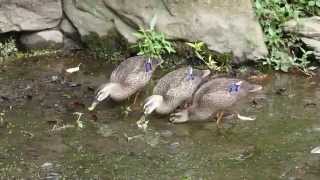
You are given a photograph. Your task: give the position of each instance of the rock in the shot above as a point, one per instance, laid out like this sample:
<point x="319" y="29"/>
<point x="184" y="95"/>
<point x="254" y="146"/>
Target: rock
<point x="314" y="45"/>
<point x="152" y="139"/>
<point x="47" y="171"/>
<point x="305" y="27"/>
<point x="225" y="26"/>
<point x="30" y="15"/>
<point x="105" y="130"/>
<point x="86" y="17"/>
<point x="71" y="36"/>
<point x="166" y="133"/>
<point x="174" y="147"/>
<point x="70" y="44"/>
<point x="309" y="30"/>
<point x="47" y="39"/>
<point x="47" y="165"/>
<point x="67" y="29"/>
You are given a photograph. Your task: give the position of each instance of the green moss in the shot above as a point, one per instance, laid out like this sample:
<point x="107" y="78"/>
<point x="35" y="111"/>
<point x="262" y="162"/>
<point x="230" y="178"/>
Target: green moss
<point x="106" y="47"/>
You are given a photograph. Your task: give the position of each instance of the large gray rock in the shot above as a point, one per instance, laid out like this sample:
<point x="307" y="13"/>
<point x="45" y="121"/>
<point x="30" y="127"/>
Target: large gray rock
<point x="305" y="27"/>
<point x="314" y="45"/>
<point x="29" y="15"/>
<point x="70" y="44"/>
<point x="71" y="39"/>
<point x="47" y="39"/>
<point x="88" y="16"/>
<point x="68" y="30"/>
<point x="309" y="31"/>
<point x="225" y="26"/>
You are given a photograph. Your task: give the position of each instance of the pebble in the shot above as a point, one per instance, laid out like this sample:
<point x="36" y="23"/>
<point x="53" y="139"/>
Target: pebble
<point x="166" y="133"/>
<point x="105" y="130"/>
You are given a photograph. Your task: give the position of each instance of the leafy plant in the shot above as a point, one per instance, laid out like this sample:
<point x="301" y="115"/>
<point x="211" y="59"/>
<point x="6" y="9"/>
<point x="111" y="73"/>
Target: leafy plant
<point x="152" y="43"/>
<point x="220" y="64"/>
<point x="7" y="49"/>
<point x="108" y="48"/>
<point x="303" y="62"/>
<point x="272" y="14"/>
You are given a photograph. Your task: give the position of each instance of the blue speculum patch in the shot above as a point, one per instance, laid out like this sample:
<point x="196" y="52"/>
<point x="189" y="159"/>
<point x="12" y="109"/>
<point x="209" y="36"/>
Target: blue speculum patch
<point x="190" y="74"/>
<point x="148" y="66"/>
<point x="234" y="87"/>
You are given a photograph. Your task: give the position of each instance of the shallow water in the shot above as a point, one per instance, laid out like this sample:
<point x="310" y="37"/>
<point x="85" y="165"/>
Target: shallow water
<point x="40" y="138"/>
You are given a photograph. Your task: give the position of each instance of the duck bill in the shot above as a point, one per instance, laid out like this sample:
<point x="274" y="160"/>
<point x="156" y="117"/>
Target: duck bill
<point x="93" y="105"/>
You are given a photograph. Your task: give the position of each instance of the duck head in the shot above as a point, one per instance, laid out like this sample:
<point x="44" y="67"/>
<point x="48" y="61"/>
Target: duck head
<point x="103" y="93"/>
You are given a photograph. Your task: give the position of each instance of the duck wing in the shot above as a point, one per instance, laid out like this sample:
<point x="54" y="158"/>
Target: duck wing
<point x="131" y="71"/>
<point x="176" y="84"/>
<point x="217" y="100"/>
<point x="171" y="79"/>
<point x="220" y="86"/>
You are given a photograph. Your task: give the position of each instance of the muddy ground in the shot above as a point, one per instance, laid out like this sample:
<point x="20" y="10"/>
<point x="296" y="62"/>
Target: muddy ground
<point x="40" y="137"/>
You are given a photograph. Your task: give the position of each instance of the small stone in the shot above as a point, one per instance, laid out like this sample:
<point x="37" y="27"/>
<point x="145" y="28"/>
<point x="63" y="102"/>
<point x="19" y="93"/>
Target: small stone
<point x="47" y="165"/>
<point x="54" y="78"/>
<point x="152" y="139"/>
<point x="166" y="133"/>
<point x="105" y="130"/>
<point x="173" y="147"/>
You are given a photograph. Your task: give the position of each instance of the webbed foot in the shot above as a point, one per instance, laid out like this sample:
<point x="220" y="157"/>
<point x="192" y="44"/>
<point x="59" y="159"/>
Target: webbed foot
<point x="179" y="117"/>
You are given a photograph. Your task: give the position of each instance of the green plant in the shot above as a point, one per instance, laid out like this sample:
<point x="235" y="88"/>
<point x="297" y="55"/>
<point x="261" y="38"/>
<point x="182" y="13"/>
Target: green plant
<point x="303" y="61"/>
<point x="7" y="49"/>
<point x="152" y="43"/>
<point x="243" y="69"/>
<point x="110" y="48"/>
<point x="36" y="52"/>
<point x="213" y="62"/>
<point x="272" y="14"/>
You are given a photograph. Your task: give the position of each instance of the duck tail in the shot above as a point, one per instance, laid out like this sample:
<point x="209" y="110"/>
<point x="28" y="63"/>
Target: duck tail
<point x="255" y="88"/>
<point x="152" y="103"/>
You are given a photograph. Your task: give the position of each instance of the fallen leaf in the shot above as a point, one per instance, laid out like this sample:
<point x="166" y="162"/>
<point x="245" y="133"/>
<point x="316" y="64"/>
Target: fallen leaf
<point x="245" y="118"/>
<point x="74" y="69"/>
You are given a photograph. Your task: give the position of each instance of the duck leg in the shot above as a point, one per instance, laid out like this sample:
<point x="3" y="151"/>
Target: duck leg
<point x="219" y="119"/>
<point x="136" y="97"/>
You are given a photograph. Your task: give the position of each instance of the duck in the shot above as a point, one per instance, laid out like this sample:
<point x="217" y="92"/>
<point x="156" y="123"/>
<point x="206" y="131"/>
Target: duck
<point x="173" y="89"/>
<point x="214" y="98"/>
<point x="130" y="76"/>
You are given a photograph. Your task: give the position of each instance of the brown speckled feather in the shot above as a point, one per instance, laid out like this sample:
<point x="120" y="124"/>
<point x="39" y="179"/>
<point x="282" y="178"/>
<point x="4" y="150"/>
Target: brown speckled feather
<point x="177" y="85"/>
<point x="216" y="92"/>
<point x="132" y="72"/>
